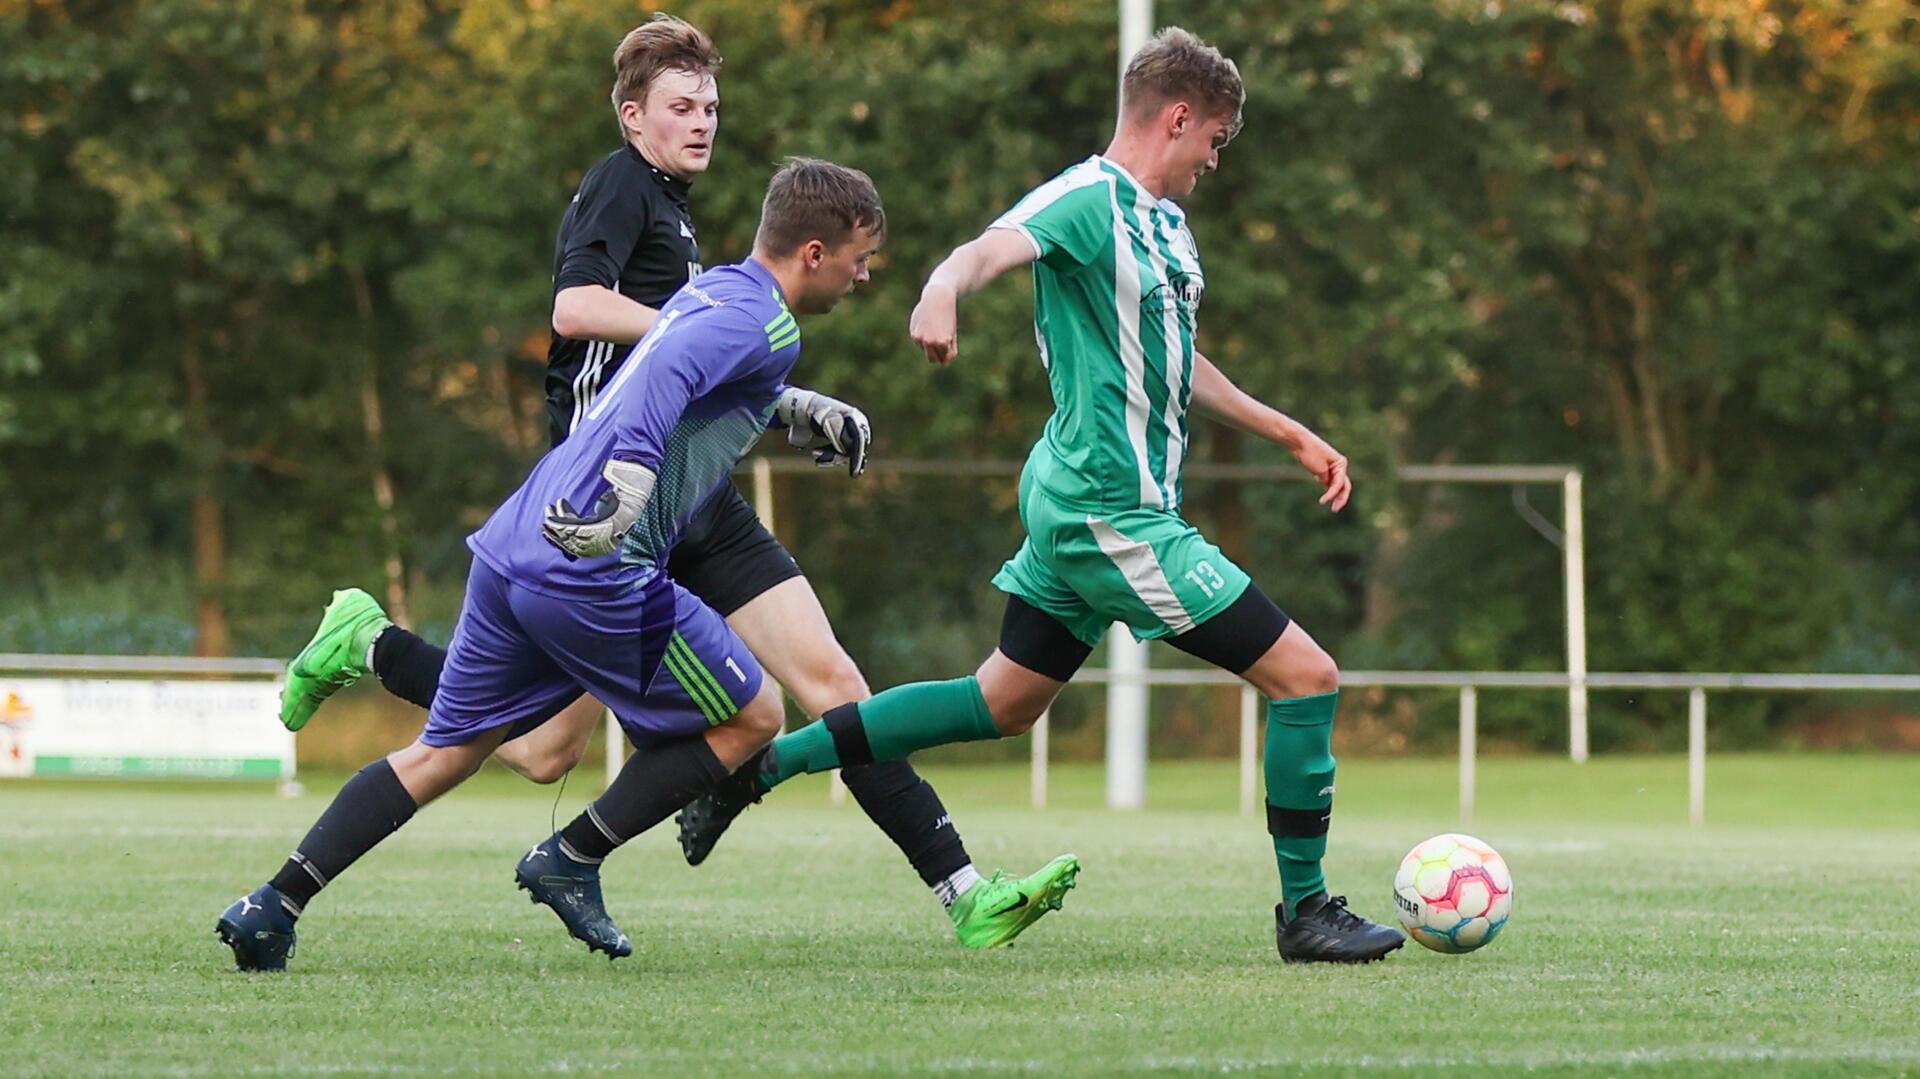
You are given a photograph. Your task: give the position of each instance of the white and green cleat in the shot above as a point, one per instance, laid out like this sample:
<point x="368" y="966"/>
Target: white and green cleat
<point x="335" y="658"/>
<point x="1000" y="908"/>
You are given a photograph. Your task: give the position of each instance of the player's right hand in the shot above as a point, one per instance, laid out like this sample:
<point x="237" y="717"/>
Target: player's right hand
<point x="600" y="531"/>
<point x="934" y="325"/>
<point x="1329" y="466"/>
<point x="582" y="535"/>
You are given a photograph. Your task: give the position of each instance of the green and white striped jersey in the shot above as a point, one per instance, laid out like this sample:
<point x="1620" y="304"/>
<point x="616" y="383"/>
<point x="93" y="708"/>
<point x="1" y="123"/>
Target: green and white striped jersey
<point x="1117" y="287"/>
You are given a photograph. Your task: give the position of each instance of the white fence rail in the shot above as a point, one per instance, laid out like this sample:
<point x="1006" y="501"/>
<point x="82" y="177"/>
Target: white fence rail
<point x="190" y="666"/>
<point x="1469" y="683"/>
<point x="163" y="669"/>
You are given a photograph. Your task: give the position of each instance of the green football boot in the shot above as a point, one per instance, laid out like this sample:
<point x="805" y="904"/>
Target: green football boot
<point x="1000" y="908"/>
<point x="335" y="658"/>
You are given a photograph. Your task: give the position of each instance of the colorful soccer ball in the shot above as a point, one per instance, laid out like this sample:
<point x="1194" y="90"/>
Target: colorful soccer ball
<point x="1454" y="893"/>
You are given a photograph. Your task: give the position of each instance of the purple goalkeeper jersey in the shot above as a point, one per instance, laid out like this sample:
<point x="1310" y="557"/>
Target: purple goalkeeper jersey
<point x="691" y="399"/>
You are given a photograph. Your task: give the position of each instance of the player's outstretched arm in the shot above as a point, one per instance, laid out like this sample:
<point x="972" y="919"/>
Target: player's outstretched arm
<point x="1215" y="394"/>
<point x="972" y="266"/>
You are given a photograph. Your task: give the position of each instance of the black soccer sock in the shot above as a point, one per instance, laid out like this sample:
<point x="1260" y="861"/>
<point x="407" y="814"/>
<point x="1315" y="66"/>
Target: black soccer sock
<point x="369" y="808"/>
<point x="408" y="665"/>
<point x="906" y="807"/>
<point x="652" y="785"/>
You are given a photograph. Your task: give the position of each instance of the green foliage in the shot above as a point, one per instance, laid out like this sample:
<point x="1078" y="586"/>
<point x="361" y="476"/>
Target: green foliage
<point x="138" y="610"/>
<point x="1668" y="242"/>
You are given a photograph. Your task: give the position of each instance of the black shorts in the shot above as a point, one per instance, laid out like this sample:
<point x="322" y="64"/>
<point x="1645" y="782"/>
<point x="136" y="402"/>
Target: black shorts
<point x="1233" y="639"/>
<point x="726" y="556"/>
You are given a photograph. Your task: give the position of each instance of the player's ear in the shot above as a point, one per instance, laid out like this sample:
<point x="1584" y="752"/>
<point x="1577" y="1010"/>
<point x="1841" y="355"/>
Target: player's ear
<point x="1179" y="117"/>
<point x="812" y="254"/>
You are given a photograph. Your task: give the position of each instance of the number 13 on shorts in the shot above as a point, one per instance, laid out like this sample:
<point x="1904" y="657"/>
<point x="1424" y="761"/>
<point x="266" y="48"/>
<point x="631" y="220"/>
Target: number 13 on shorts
<point x="1206" y="578"/>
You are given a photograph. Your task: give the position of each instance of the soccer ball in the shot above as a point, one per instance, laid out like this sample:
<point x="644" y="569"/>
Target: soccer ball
<point x="1454" y="893"/>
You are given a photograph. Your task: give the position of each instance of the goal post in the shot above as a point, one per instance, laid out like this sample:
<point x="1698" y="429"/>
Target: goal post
<point x="1127" y="693"/>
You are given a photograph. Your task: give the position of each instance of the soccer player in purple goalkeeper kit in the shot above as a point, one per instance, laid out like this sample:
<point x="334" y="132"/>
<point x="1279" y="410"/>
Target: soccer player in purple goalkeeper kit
<point x="625" y="244"/>
<point x="567" y="595"/>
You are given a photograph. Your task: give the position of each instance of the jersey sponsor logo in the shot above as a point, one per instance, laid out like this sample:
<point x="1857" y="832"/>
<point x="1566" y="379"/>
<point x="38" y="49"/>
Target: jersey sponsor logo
<point x="701" y="294"/>
<point x="1180" y="293"/>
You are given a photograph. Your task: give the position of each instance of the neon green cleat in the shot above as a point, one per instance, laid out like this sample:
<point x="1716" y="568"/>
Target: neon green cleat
<point x="1000" y="908"/>
<point x="335" y="658"/>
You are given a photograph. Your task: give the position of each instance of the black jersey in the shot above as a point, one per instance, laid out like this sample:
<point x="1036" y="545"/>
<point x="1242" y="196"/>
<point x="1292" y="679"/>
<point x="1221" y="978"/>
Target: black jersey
<point x="628" y="230"/>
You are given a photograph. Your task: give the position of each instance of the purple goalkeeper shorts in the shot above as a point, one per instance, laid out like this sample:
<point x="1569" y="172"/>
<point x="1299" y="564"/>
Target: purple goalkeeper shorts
<point x="663" y="661"/>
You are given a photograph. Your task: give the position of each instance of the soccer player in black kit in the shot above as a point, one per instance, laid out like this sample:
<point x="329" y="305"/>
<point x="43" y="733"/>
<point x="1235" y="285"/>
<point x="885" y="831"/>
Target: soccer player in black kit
<point x="625" y="244"/>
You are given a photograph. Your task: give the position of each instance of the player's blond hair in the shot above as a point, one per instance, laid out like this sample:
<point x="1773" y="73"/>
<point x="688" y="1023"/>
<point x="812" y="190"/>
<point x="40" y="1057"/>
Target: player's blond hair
<point x="1174" y="65"/>
<point x="661" y="44"/>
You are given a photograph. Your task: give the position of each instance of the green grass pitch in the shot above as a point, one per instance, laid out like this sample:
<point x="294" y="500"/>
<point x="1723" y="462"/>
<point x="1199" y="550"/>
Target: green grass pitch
<point x="1784" y="936"/>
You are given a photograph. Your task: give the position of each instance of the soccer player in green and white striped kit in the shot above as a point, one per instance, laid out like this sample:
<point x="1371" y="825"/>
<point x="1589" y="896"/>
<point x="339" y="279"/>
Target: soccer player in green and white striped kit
<point x="1117" y="286"/>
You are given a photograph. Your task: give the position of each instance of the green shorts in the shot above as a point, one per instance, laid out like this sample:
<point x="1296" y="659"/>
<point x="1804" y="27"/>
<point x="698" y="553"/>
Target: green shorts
<point x="1147" y="568"/>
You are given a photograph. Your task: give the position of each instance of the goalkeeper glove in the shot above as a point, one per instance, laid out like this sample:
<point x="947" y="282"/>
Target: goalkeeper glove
<point x="827" y="428"/>
<point x="600" y="532"/>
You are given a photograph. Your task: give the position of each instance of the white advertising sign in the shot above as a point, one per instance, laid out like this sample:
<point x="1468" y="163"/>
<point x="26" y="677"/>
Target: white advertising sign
<point x="143" y="727"/>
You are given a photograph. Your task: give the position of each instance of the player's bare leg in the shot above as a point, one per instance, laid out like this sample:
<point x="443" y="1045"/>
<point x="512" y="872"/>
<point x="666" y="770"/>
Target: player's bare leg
<point x="789" y="633"/>
<point x="1295" y="666"/>
<point x="1016" y="697"/>
<point x="555" y="747"/>
<point x="427" y="771"/>
<point x="750" y="729"/>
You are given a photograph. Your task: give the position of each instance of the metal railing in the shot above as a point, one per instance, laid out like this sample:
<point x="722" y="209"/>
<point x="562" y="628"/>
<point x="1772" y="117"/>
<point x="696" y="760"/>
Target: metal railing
<point x="1469" y="684"/>
<point x="190" y="666"/>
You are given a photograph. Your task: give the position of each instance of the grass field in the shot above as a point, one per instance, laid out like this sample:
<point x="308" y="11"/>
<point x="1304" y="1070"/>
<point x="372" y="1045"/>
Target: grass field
<point x="1785" y="935"/>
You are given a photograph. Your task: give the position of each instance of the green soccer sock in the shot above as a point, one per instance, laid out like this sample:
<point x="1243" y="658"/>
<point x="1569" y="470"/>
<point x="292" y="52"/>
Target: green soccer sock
<point x="896" y="723"/>
<point x="1299" y="764"/>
